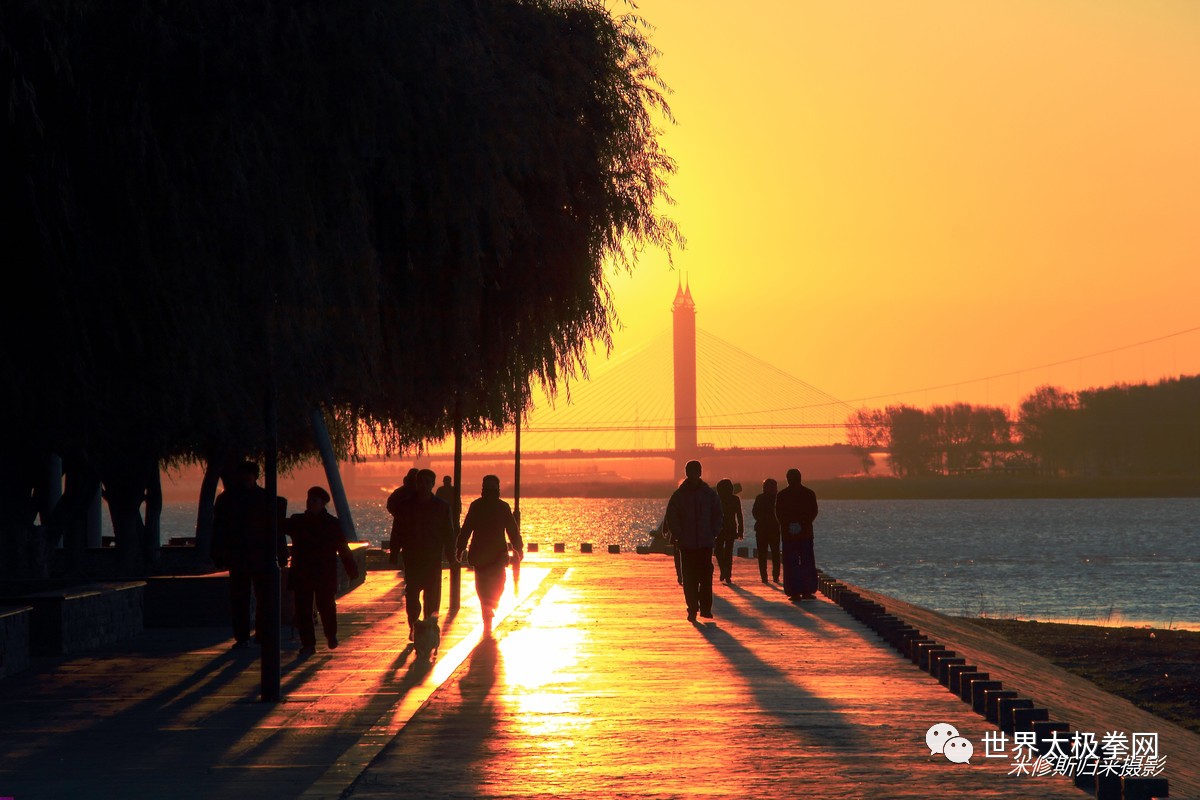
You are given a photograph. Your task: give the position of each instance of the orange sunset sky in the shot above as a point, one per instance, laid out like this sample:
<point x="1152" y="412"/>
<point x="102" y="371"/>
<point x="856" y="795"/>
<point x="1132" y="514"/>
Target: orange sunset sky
<point x="881" y="197"/>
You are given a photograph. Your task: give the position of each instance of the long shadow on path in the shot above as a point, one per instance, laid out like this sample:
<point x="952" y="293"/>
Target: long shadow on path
<point x="849" y="715"/>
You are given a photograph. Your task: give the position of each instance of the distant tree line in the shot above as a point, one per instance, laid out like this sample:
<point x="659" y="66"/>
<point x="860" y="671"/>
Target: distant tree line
<point x="1123" y="430"/>
<point x="225" y="220"/>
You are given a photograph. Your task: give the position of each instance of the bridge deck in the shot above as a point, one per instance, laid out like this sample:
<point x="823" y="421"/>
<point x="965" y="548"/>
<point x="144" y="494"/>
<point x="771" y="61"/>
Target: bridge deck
<point x="594" y="685"/>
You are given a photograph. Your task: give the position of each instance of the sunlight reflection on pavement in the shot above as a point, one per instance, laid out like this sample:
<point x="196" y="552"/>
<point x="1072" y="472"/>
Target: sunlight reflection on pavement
<point x="597" y="687"/>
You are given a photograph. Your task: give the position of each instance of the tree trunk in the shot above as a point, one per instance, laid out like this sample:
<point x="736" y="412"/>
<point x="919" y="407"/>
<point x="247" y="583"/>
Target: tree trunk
<point x="77" y="529"/>
<point x="47" y="492"/>
<point x="18" y="510"/>
<point x="152" y="531"/>
<point x="125" y="494"/>
<point x="95" y="510"/>
<point x="213" y="470"/>
<point x="51" y="488"/>
<point x="340" y="502"/>
<point x="70" y="511"/>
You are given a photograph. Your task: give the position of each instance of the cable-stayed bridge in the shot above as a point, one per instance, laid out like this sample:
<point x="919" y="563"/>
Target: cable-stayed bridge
<point x="686" y="393"/>
<point x="741" y="402"/>
<point x="683" y="394"/>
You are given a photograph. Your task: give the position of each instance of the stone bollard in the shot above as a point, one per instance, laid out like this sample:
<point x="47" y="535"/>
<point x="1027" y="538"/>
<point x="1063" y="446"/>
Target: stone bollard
<point x="1004" y="711"/>
<point x="532" y="547"/>
<point x="614" y="548"/>
<point x="954" y="675"/>
<point x="1023" y="718"/>
<point x="931" y="660"/>
<point x="885" y="621"/>
<point x="560" y="547"/>
<point x="913" y="643"/>
<point x="869" y="612"/>
<point x="925" y="650"/>
<point x="902" y="636"/>
<point x="935" y="661"/>
<point x="856" y="609"/>
<point x="1044" y="732"/>
<point x="1144" y="788"/>
<point x="887" y="627"/>
<point x="585" y="547"/>
<point x="1107" y="787"/>
<point x="979" y="696"/>
<point x="944" y="667"/>
<point x="991" y="703"/>
<point x="966" y="682"/>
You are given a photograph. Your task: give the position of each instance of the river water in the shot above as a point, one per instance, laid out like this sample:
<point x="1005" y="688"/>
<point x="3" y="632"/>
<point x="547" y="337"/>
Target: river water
<point x="1111" y="561"/>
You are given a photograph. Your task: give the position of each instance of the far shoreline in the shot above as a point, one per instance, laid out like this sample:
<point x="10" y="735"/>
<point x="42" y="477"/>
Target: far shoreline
<point x="931" y="488"/>
<point x="858" y="487"/>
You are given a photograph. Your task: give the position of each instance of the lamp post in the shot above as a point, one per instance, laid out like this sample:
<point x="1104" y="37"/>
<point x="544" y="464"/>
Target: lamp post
<point x="455" y="567"/>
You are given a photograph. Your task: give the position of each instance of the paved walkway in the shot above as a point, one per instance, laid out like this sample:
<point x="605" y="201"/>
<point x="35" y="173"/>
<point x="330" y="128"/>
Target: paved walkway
<point x="594" y="685"/>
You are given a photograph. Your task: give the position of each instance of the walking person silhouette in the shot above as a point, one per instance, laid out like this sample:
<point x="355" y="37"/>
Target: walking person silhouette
<point x="242" y="543"/>
<point x="488" y="522"/>
<point x="796" y="508"/>
<point x="397" y="504"/>
<point x="317" y="545"/>
<point x="732" y="527"/>
<point x="425" y="535"/>
<point x="694" y="519"/>
<point x="766" y="529"/>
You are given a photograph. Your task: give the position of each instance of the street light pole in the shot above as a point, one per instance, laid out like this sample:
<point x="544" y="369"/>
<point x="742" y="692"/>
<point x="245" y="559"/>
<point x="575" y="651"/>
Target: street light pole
<point x="455" y="568"/>
<point x="267" y="627"/>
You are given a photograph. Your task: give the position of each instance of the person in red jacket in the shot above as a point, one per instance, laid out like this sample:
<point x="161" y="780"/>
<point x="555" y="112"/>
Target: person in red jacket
<point x="317" y="545"/>
<point x="796" y="508"/>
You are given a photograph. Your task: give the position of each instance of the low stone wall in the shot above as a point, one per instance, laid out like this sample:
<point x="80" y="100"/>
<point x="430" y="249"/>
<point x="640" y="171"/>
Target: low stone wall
<point x="85" y="617"/>
<point x="174" y="559"/>
<point x="14" y="639"/>
<point x="101" y="562"/>
<point x="187" y="601"/>
<point x="202" y="601"/>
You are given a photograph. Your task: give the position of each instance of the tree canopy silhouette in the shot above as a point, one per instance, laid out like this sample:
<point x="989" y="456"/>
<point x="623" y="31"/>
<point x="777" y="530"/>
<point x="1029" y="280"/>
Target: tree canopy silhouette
<point x="374" y="207"/>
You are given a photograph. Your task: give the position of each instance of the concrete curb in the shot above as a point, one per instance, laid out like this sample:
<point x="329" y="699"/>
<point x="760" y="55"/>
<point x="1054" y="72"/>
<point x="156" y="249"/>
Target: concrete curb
<point x="1003" y="707"/>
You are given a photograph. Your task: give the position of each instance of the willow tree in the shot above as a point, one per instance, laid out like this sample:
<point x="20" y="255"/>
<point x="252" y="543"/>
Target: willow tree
<point x="370" y="209"/>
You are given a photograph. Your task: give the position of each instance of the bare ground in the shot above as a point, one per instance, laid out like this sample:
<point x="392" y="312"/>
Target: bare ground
<point x="1157" y="670"/>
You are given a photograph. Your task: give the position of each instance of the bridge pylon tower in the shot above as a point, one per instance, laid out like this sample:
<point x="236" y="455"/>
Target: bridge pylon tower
<point x="683" y="312"/>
